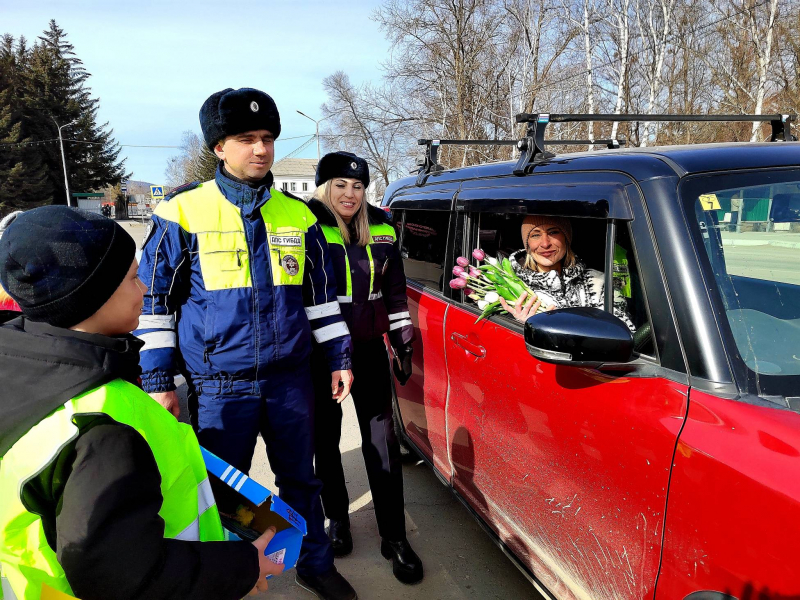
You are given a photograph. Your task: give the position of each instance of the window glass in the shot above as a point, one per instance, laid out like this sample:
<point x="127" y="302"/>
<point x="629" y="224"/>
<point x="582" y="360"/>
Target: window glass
<point x="305" y="186"/>
<point x="284" y="186"/>
<point x="424" y="243"/>
<point x="581" y="281"/>
<point x="629" y="293"/>
<point x="749" y="227"/>
<point x="294" y="186"/>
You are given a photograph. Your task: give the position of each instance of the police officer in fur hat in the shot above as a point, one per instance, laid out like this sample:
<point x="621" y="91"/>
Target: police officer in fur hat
<point x="239" y="282"/>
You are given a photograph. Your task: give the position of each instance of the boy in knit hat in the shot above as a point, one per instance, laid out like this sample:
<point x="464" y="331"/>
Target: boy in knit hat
<point x="103" y="494"/>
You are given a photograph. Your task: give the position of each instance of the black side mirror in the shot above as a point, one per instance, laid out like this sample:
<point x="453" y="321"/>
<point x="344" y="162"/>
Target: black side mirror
<point x="580" y="336"/>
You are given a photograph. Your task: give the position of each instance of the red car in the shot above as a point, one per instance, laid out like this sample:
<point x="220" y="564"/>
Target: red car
<point x="663" y="464"/>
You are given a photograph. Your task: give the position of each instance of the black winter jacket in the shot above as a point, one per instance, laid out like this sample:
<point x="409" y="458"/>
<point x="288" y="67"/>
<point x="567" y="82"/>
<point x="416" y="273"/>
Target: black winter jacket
<point x="99" y="498"/>
<point x="387" y="311"/>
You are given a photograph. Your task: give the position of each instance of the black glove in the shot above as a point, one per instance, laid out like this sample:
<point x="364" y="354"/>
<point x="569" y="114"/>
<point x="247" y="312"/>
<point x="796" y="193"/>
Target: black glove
<point x="402" y="363"/>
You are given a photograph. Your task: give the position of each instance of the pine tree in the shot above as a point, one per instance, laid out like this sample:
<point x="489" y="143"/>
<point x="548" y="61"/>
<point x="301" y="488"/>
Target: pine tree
<point x="23" y="177"/>
<point x="93" y="159"/>
<point x="51" y="88"/>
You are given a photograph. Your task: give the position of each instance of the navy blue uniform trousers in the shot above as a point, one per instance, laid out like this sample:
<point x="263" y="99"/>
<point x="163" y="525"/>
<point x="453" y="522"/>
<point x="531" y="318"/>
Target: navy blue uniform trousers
<point x="228" y="416"/>
<point x="372" y="398"/>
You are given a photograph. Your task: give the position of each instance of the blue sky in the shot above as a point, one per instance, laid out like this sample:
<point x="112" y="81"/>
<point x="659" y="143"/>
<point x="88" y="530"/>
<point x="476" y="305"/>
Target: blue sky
<point x="153" y="63"/>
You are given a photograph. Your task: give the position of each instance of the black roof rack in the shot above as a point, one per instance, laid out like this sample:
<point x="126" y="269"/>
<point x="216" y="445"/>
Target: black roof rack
<point x="532" y="145"/>
<point x="430" y="162"/>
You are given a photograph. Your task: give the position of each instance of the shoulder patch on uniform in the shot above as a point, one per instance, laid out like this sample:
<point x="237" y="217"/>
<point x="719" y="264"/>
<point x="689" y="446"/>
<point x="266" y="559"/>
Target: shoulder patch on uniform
<point x="180" y="189"/>
<point x="383" y="239"/>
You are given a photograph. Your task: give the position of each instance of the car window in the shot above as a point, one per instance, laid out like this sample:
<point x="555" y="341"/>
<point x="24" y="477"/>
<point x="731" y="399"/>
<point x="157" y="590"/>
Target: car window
<point x="423" y="244"/>
<point x="499" y="236"/>
<point x="629" y="291"/>
<point x="749" y="228"/>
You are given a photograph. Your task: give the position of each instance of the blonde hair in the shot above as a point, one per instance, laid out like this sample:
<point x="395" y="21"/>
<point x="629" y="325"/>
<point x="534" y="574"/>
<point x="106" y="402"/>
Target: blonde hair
<point x="360" y="220"/>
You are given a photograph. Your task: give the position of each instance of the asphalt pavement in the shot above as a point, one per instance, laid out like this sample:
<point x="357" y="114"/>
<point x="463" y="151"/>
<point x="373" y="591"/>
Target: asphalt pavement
<point x="461" y="561"/>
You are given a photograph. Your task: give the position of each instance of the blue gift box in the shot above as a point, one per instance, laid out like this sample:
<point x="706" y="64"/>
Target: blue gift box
<point x="267" y="507"/>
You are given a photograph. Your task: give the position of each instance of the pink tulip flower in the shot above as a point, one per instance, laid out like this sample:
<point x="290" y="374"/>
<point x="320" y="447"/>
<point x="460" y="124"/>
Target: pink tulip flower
<point x="458" y="270"/>
<point x="458" y="283"/>
<point x="478" y="254"/>
<point x="473" y="272"/>
<point x="463" y="262"/>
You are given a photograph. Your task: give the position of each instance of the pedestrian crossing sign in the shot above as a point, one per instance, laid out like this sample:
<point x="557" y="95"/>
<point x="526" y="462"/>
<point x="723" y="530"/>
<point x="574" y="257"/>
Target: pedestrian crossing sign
<point x="157" y="191"/>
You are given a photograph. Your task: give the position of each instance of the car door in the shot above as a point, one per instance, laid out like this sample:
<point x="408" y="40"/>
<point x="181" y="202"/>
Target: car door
<point x="734" y="505"/>
<point x="570" y="466"/>
<point x="425" y="230"/>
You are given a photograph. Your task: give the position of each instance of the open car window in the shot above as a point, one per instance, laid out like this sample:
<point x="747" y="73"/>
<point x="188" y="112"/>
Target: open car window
<point x="499" y="236"/>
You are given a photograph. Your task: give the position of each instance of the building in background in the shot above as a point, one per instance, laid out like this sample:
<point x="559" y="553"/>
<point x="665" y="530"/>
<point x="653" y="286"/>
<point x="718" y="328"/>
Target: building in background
<point x="296" y="176"/>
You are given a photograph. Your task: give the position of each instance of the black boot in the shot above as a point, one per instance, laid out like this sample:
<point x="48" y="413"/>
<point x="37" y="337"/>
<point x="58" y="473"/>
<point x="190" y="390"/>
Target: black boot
<point x="341" y="539"/>
<point x="328" y="586"/>
<point x="406" y="565"/>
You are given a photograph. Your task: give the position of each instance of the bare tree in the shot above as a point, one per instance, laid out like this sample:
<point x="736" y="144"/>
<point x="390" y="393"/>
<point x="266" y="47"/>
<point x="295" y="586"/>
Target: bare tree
<point x="194" y="163"/>
<point x="654" y="18"/>
<point x="362" y="120"/>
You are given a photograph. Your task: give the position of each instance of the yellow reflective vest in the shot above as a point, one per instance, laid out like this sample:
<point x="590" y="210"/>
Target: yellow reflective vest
<point x="29" y="566"/>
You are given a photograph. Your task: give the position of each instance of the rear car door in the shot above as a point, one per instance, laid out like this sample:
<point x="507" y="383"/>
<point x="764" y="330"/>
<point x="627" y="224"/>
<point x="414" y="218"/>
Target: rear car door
<point x="570" y="466"/>
<point x="424" y="223"/>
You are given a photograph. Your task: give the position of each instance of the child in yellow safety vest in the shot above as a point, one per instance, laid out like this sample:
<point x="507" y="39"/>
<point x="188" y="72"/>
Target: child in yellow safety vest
<point x="103" y="494"/>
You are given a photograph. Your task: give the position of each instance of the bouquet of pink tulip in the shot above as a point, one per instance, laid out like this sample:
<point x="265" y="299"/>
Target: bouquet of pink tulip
<point x="489" y="282"/>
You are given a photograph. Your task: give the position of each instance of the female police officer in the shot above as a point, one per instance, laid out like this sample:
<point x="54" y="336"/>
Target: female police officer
<point x="371" y="288"/>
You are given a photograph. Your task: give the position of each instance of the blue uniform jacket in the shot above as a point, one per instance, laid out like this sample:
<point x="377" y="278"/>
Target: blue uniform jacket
<point x="240" y="333"/>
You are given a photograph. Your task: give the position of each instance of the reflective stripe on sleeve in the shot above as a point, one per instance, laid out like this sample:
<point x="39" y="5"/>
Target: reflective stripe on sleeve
<point x="205" y="496"/>
<point x="323" y="334"/>
<point x="157" y="339"/>
<point x="191" y="533"/>
<point x="400" y="315"/>
<point x="323" y="310"/>
<point x="377" y="296"/>
<point x="344" y="299"/>
<point x="400" y="324"/>
<point x="156" y="322"/>
<point x="205" y="500"/>
<point x="8" y="593"/>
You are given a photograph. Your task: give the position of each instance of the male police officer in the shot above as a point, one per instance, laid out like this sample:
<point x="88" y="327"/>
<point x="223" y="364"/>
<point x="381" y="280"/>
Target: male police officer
<point x="238" y="278"/>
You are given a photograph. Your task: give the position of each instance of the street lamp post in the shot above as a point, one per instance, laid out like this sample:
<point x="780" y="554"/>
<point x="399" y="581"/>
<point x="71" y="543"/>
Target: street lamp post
<point x="63" y="158"/>
<point x="316" y="122"/>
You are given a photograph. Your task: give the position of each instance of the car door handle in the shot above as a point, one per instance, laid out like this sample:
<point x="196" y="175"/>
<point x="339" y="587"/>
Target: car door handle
<point x="461" y="340"/>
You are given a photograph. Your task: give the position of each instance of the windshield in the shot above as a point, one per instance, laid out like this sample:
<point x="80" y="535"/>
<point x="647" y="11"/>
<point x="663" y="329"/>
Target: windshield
<point x="750" y="229"/>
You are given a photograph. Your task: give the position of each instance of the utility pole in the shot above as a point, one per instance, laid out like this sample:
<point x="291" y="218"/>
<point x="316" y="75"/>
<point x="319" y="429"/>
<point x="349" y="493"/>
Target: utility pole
<point x="316" y="122"/>
<point x="63" y="158"/>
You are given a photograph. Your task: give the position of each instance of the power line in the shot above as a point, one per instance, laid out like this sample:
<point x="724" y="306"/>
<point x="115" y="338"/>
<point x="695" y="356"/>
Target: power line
<point x="299" y="149"/>
<point x="38" y="142"/>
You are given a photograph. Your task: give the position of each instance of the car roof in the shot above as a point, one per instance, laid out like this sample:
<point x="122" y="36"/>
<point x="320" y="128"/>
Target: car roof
<point x="639" y="163"/>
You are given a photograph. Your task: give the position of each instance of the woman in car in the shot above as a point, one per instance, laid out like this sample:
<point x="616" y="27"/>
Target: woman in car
<point x="371" y="288"/>
<point x="550" y="268"/>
